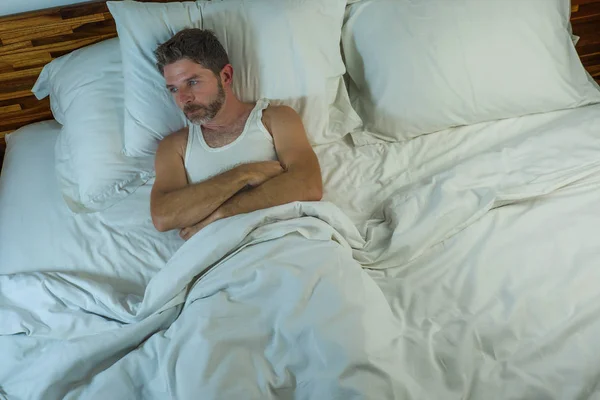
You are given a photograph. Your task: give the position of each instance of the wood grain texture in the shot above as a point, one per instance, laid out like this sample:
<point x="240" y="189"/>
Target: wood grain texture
<point x="585" y="18"/>
<point x="30" y="40"/>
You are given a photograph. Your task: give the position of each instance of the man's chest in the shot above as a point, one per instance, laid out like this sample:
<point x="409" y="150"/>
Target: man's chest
<point x="220" y="138"/>
<point x="215" y="140"/>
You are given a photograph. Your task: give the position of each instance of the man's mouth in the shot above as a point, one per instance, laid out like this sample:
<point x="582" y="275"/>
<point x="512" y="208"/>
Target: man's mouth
<point x="193" y="109"/>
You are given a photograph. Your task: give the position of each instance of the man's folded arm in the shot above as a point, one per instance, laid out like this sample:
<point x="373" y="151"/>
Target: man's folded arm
<point x="174" y="204"/>
<point x="301" y="179"/>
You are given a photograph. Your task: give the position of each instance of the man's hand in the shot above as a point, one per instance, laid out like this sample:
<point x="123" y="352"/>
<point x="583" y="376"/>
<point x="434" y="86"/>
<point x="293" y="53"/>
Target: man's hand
<point x="260" y="172"/>
<point x="176" y="204"/>
<point x="301" y="180"/>
<point x="187" y="233"/>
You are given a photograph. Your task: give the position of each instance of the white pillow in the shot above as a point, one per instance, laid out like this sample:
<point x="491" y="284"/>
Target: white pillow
<point x="273" y="53"/>
<point x="86" y="92"/>
<point x="39" y="233"/>
<point x="433" y="64"/>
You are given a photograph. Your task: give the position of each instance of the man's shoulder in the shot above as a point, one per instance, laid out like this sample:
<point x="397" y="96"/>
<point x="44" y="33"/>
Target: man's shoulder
<point x="278" y="114"/>
<point x="279" y="111"/>
<point x="176" y="140"/>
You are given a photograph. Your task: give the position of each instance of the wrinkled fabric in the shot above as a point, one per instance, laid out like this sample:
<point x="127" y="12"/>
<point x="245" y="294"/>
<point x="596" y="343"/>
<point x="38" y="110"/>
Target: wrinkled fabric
<point x="261" y="305"/>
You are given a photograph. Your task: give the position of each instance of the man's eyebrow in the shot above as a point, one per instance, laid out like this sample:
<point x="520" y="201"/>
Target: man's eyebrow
<point x="195" y="76"/>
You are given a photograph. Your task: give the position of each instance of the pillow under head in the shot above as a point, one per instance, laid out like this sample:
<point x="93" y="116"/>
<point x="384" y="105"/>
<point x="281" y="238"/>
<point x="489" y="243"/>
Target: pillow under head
<point x="274" y="54"/>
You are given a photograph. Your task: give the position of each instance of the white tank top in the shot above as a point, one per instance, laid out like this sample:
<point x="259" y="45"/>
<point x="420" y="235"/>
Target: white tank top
<point x="254" y="144"/>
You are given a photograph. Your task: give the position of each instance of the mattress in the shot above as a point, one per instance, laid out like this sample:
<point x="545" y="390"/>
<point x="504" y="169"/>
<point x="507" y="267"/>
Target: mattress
<point x="482" y="240"/>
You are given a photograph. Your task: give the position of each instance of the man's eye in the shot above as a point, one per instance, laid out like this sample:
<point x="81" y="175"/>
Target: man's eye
<point x="173" y="90"/>
<point x="193" y="82"/>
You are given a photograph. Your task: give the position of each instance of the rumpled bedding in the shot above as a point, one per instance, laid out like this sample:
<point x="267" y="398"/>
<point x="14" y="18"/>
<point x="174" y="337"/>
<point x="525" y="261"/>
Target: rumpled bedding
<point x="275" y="304"/>
<point x="263" y="305"/>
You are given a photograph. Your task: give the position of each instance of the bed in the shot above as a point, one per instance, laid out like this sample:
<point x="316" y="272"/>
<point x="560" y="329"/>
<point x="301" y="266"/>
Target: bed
<point x="478" y="248"/>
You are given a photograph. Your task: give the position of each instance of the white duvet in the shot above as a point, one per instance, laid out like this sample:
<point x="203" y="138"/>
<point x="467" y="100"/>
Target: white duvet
<point x="483" y="243"/>
<point x="263" y="305"/>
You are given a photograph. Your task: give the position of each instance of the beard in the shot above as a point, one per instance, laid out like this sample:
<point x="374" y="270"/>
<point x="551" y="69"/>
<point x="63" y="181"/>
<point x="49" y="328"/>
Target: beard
<point x="199" y="114"/>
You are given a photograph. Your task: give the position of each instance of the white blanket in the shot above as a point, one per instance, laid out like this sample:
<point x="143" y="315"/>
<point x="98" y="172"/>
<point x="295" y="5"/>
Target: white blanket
<point x="273" y="304"/>
<point x="263" y="305"/>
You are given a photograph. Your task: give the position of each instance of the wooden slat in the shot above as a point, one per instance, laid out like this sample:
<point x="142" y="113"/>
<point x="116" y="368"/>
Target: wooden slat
<point x="6" y="67"/>
<point x="26" y="102"/>
<point x="586" y="24"/>
<point x="580" y="2"/>
<point x="16" y="88"/>
<point x="8" y="49"/>
<point x="24" y="35"/>
<point x="17" y="60"/>
<point x="585" y="11"/>
<point x="9" y="109"/>
<point x="8" y="76"/>
<point x="32" y="62"/>
<point x="9" y="25"/>
<point x="67" y="45"/>
<point x="595" y="71"/>
<point x="34" y="115"/>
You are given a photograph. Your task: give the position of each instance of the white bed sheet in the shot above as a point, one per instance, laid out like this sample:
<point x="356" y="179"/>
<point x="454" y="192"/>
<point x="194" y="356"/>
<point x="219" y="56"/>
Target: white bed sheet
<point x="362" y="179"/>
<point x="487" y="235"/>
<point x="508" y="306"/>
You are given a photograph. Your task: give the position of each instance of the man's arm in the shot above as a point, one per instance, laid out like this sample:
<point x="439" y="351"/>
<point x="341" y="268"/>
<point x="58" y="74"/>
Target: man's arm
<point x="174" y="204"/>
<point x="300" y="181"/>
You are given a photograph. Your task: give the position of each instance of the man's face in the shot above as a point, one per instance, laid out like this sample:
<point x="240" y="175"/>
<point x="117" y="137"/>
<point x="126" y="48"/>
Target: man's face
<point x="196" y="90"/>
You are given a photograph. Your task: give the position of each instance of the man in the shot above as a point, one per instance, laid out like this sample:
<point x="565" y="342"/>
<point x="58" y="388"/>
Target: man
<point x="233" y="157"/>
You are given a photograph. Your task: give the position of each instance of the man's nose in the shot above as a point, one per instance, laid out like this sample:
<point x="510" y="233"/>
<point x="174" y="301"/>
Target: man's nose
<point x="185" y="96"/>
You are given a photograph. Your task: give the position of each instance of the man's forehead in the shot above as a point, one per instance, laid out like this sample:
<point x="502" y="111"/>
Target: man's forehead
<point x="184" y="70"/>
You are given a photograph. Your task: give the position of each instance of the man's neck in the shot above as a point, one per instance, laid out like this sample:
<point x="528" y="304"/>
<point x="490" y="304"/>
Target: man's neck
<point x="228" y="116"/>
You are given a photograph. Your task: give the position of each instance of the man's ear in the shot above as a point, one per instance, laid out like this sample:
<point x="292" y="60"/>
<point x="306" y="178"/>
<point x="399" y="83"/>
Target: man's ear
<point x="227" y="74"/>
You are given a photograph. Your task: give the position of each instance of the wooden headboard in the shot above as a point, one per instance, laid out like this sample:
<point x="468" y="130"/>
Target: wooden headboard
<point x="31" y="40"/>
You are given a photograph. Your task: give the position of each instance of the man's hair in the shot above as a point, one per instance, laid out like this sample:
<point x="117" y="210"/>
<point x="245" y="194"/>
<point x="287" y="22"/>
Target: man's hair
<point x="198" y="45"/>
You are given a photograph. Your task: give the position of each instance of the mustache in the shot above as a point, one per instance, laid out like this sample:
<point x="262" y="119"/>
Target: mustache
<point x="188" y="108"/>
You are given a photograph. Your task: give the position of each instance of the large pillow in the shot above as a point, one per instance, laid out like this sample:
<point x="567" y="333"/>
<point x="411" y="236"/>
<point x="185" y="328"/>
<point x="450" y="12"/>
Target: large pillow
<point x="273" y="53"/>
<point x="118" y="246"/>
<point x="86" y="96"/>
<point x="433" y="64"/>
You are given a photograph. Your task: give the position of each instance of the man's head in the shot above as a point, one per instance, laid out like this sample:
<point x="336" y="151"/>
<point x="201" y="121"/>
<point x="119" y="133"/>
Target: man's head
<point x="196" y="68"/>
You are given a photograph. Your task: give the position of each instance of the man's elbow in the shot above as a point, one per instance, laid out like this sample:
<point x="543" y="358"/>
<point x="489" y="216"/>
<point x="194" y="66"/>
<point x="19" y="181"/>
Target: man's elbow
<point x="316" y="193"/>
<point x="160" y="223"/>
<point x="159" y="219"/>
<point x="160" y="226"/>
